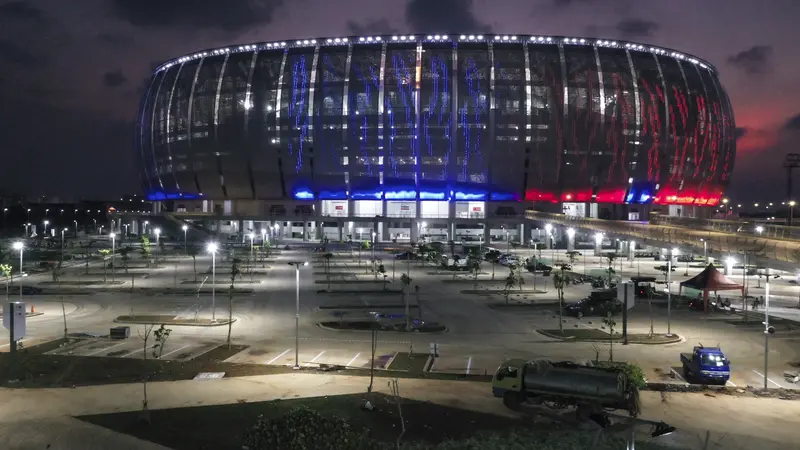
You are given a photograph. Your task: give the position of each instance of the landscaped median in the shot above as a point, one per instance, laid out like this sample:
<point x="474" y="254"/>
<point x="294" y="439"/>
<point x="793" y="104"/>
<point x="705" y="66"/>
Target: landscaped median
<point x="366" y="325"/>
<point x="148" y="319"/>
<point x="595" y="335"/>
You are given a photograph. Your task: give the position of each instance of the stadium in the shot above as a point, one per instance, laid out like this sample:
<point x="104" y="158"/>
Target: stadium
<point x="354" y="124"/>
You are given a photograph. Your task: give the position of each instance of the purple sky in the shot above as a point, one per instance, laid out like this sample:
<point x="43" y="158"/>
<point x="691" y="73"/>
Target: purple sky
<point x="73" y="71"/>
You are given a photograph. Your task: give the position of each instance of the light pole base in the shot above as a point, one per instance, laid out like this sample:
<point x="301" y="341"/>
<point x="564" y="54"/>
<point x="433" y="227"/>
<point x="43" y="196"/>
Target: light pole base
<point x="295" y="367"/>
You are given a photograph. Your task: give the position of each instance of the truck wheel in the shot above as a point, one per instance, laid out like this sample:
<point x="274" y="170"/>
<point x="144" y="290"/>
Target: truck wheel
<point x="512" y="400"/>
<point x="687" y="375"/>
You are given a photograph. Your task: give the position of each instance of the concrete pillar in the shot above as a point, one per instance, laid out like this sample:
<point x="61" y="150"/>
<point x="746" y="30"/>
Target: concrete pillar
<point x="451" y="230"/>
<point x="598" y="246"/>
<point x="305" y="229"/>
<point x="487" y="233"/>
<point x="571" y="241"/>
<point x="631" y="251"/>
<point x="414" y="231"/>
<point x="341" y="231"/>
<point x="522" y="238"/>
<point x="240" y="229"/>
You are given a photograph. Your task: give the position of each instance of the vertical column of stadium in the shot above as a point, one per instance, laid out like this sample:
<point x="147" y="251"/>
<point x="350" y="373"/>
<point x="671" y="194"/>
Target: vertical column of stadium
<point x="310" y="132"/>
<point x="637" y="142"/>
<point x="565" y="119"/>
<point x="665" y="133"/>
<point x="167" y="130"/>
<point x="453" y="165"/>
<point x="706" y="131"/>
<point x="216" y="124"/>
<point x="190" y="153"/>
<point x="381" y="93"/>
<point x="284" y="194"/>
<point x="602" y="93"/>
<point x="492" y="131"/>
<point x="528" y="112"/>
<point x="724" y="136"/>
<point x="152" y="131"/>
<point x="417" y="115"/>
<point x="248" y="105"/>
<point x="345" y="114"/>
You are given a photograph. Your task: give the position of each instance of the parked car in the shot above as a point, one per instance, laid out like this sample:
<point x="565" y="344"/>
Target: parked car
<point x="508" y="260"/>
<point x="539" y="267"/>
<point x="405" y="256"/>
<point x="597" y="305"/>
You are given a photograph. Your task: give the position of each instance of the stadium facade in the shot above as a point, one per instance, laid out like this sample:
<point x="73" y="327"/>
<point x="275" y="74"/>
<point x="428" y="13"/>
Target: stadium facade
<point x="432" y="120"/>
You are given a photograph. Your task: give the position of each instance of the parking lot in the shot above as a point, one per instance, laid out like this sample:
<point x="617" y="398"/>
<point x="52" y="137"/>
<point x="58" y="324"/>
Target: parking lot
<point x="176" y="349"/>
<point x="354" y="354"/>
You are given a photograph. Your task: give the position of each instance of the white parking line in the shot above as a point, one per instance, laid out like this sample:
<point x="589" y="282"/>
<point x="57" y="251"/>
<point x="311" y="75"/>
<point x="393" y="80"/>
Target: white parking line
<point x="762" y="376"/>
<point x="106" y="349"/>
<point x="278" y="357"/>
<point x="351" y="361"/>
<point x="730" y="383"/>
<point x="167" y="354"/>
<point x="132" y="353"/>
<point x="320" y="354"/>
<point x="469" y="364"/>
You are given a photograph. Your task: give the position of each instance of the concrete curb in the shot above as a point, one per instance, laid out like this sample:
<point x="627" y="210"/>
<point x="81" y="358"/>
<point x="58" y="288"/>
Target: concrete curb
<point x="390" y="361"/>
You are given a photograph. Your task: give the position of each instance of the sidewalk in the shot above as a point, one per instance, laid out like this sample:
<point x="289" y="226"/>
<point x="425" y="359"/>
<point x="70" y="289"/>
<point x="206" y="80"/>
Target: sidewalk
<point x="34" y="418"/>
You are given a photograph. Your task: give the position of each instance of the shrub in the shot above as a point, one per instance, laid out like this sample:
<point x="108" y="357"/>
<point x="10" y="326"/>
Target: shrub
<point x="304" y="429"/>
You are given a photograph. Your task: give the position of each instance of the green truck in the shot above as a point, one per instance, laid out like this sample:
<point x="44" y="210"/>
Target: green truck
<point x="591" y="390"/>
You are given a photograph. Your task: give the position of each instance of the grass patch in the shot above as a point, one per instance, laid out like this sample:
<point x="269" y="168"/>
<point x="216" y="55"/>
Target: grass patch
<point x="81" y="282"/>
<point x="515" y="305"/>
<point x="223" y="426"/>
<point x="502" y="291"/>
<point x="407" y="362"/>
<point x="593" y="334"/>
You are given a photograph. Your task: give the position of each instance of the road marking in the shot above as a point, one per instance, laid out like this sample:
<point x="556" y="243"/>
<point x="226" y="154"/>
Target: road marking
<point x="469" y="364"/>
<point x="351" y="361"/>
<point x="133" y="353"/>
<point x="6" y="345"/>
<point x="762" y="376"/>
<point x="187" y="345"/>
<point x="675" y="372"/>
<point x="278" y="357"/>
<point x="729" y="382"/>
<point x="106" y="349"/>
<point x="320" y="354"/>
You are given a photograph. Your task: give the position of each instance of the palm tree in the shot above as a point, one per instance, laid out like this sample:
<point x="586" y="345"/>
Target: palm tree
<point x="5" y="269"/>
<point x="456" y="260"/>
<point x="610" y="257"/>
<point x="511" y="281"/>
<point x="493" y="257"/>
<point x="124" y="254"/>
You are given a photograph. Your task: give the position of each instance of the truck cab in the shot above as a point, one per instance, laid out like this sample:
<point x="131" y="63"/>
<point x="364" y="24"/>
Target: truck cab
<point x="508" y="377"/>
<point x="706" y="365"/>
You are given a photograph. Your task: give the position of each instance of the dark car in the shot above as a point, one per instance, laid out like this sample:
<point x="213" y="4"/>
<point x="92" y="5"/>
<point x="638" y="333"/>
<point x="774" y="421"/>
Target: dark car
<point x="405" y="256"/>
<point x="539" y="267"/>
<point x="594" y="306"/>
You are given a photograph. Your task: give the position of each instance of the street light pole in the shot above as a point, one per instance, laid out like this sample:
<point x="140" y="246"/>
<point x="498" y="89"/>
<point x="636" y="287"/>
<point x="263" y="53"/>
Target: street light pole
<point x="791" y="211"/>
<point x="669" y="290"/>
<point x="212" y="248"/>
<point x="296" y="265"/>
<point x="767" y="330"/>
<point x="62" y="245"/>
<point x="185" y="231"/>
<point x="113" y="263"/>
<point x="251" y="247"/>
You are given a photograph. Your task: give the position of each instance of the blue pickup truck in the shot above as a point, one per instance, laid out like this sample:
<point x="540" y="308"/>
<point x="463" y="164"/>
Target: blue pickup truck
<point x="706" y="365"/>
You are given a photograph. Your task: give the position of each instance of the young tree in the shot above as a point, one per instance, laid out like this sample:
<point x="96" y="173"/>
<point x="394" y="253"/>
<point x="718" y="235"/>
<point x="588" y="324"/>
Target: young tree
<point x="5" y="269"/>
<point x="474" y="266"/>
<point x="511" y="282"/>
<point x="406" y="281"/>
<point x="124" y="253"/>
<point x="327" y="263"/>
<point x="87" y="254"/>
<point x="610" y="257"/>
<point x="105" y="252"/>
<point x="573" y="257"/>
<point x="454" y="267"/>
<point x="160" y="336"/>
<point x="610" y="323"/>
<point x="145" y="241"/>
<point x="560" y="278"/>
<point x="452" y="245"/>
<point x="493" y="257"/>
<point x="423" y="252"/>
<point x="382" y="270"/>
<point x="145" y="335"/>
<point x="57" y="272"/>
<point x="234" y="273"/>
<point x="193" y="251"/>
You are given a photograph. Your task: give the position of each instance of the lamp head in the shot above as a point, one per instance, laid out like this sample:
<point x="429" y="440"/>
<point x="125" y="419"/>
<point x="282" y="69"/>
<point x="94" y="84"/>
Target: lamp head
<point x="252" y="235"/>
<point x="184" y="228"/>
<point x="18" y="245"/>
<point x="212" y="247"/>
<point x="759" y="229"/>
<point x="548" y="227"/>
<point x="675" y="251"/>
<point x="46" y="222"/>
<point x="112" y="235"/>
<point x="571" y="232"/>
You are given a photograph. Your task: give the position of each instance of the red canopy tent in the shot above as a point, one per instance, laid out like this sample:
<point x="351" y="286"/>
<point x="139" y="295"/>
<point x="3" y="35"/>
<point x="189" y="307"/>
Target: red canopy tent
<point x="710" y="279"/>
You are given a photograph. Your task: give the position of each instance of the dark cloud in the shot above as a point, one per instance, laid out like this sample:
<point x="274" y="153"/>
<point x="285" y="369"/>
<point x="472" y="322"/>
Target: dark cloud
<point x="378" y="26"/>
<point x="20" y="10"/>
<point x="741" y="132"/>
<point x="793" y="124"/>
<point x="636" y="28"/>
<point x="753" y="61"/>
<point x="114" y="40"/>
<point x="114" y="79"/>
<point x="14" y="55"/>
<point x="447" y="16"/>
<point x="229" y="16"/>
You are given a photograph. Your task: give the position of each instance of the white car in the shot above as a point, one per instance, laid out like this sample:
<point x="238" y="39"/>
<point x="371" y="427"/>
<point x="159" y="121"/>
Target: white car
<point x="508" y="260"/>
